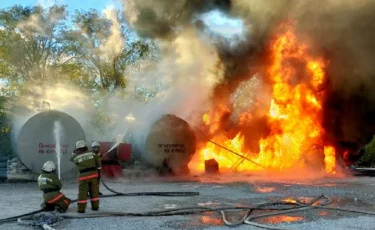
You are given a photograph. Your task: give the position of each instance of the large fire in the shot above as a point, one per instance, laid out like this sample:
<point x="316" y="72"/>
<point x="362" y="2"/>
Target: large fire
<point x="294" y="115"/>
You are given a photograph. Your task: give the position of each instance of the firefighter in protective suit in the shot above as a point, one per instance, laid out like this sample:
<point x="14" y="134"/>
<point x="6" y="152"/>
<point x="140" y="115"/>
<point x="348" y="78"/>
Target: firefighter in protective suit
<point x="88" y="166"/>
<point x="95" y="146"/>
<point x="51" y="185"/>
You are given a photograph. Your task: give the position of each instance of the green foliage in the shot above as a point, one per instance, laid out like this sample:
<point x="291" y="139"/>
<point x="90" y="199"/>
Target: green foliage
<point x="101" y="119"/>
<point x="48" y="45"/>
<point x="38" y="44"/>
<point x="108" y="60"/>
<point x="29" y="42"/>
<point x="368" y="158"/>
<point x="5" y="130"/>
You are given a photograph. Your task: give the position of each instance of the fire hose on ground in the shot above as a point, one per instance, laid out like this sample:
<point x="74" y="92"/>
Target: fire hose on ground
<point x="319" y="202"/>
<point x="116" y="194"/>
<point x="267" y="210"/>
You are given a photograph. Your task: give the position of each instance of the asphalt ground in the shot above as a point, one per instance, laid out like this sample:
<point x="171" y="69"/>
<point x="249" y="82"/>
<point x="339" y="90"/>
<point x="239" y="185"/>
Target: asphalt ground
<point x="235" y="190"/>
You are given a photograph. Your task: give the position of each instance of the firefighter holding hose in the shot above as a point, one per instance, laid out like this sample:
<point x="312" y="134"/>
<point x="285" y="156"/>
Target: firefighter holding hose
<point x="88" y="165"/>
<point x="95" y="146"/>
<point x="50" y="184"/>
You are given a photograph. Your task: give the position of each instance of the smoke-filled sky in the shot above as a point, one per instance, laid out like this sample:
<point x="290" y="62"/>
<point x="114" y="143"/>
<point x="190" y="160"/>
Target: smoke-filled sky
<point x="215" y="20"/>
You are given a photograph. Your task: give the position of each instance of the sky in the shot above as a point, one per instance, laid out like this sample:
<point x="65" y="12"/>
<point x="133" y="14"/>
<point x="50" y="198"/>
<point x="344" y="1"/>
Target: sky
<point x="215" y="20"/>
<point x="72" y="4"/>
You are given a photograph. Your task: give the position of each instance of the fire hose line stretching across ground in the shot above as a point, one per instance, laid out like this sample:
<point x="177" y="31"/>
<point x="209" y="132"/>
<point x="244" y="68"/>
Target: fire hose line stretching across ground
<point x="276" y="208"/>
<point x="318" y="202"/>
<point x="116" y="194"/>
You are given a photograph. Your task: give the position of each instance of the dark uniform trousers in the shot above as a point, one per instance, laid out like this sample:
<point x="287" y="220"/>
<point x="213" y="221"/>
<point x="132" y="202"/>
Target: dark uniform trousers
<point x="50" y="184"/>
<point x="89" y="185"/>
<point x="88" y="165"/>
<point x="53" y="199"/>
<point x="98" y="159"/>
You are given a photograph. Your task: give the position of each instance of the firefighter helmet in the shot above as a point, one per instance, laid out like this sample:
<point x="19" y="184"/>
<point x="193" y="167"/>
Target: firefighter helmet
<point x="49" y="166"/>
<point x="81" y="144"/>
<point x="95" y="144"/>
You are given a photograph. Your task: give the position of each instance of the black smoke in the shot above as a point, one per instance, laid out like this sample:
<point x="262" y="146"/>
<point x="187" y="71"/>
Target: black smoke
<point x="342" y="31"/>
<point x="164" y="18"/>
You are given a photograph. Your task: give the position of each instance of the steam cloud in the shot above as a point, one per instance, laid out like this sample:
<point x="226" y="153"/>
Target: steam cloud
<point x="185" y="78"/>
<point x="60" y="96"/>
<point x="115" y="43"/>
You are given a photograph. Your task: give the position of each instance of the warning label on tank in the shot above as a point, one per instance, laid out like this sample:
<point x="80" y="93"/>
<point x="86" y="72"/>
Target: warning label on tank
<point x="172" y="148"/>
<point x="51" y="148"/>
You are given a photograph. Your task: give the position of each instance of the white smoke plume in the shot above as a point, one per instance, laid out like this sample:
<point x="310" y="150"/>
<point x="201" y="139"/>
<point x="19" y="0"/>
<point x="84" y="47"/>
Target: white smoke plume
<point x="36" y="23"/>
<point x="115" y="42"/>
<point x="60" y="96"/>
<point x="182" y="80"/>
<point x="185" y="76"/>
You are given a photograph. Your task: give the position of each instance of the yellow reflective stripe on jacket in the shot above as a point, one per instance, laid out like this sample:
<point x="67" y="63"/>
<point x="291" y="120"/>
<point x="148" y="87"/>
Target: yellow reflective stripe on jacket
<point x="43" y="180"/>
<point x="83" y="157"/>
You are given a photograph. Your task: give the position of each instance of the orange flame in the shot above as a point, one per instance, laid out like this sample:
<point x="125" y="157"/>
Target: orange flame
<point x="211" y="220"/>
<point x="294" y="115"/>
<point x="264" y="189"/>
<point x="329" y="159"/>
<point x="290" y="200"/>
<point x="323" y="213"/>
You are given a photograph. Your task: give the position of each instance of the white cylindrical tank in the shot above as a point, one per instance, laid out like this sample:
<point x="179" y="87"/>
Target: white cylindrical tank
<point x="171" y="139"/>
<point x="41" y="136"/>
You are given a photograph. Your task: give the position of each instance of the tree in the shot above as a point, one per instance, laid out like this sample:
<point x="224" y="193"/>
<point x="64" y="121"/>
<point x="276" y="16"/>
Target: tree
<point x="99" y="43"/>
<point x="30" y="42"/>
<point x="368" y="158"/>
<point x="5" y="130"/>
<point x="38" y="44"/>
<point x="89" y="49"/>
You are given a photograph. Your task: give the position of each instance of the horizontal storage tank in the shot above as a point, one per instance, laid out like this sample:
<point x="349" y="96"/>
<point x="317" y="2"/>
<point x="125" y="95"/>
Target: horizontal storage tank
<point x="40" y="137"/>
<point x="170" y="140"/>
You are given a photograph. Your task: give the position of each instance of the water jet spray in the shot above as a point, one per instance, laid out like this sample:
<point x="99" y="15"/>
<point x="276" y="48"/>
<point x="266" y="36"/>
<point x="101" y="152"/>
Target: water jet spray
<point x="57" y="128"/>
